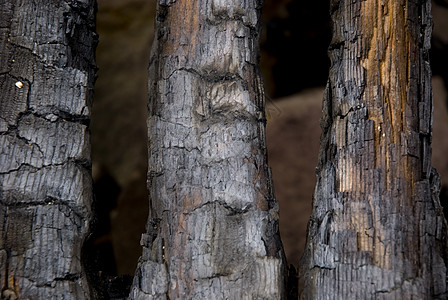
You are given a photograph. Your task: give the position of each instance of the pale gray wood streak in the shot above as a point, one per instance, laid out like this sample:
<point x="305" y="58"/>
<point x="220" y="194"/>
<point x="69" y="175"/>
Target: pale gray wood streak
<point x="47" y="73"/>
<point x="377" y="229"/>
<point x="212" y="232"/>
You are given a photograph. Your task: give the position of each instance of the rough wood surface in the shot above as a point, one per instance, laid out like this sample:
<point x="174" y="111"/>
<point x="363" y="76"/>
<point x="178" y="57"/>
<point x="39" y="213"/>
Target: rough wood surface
<point x="46" y="77"/>
<point x="212" y="232"/>
<point x="377" y="230"/>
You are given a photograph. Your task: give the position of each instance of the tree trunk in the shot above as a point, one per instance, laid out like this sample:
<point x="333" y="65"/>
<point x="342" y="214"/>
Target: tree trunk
<point x="377" y="230"/>
<point x="47" y="73"/>
<point x="212" y="232"/>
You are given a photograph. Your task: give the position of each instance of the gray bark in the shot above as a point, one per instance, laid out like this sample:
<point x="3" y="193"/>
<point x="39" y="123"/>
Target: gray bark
<point x="47" y="73"/>
<point x="377" y="230"/>
<point x="212" y="232"/>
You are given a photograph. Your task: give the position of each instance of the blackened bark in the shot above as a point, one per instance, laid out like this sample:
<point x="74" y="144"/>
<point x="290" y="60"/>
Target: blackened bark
<point x="213" y="226"/>
<point x="377" y="230"/>
<point x="47" y="74"/>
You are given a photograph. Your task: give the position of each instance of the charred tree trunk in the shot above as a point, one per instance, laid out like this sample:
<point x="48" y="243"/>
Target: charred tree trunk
<point x="47" y="73"/>
<point x="377" y="230"/>
<point x="212" y="232"/>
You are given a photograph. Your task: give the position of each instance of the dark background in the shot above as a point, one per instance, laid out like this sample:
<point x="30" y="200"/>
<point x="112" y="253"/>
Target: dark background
<point x="294" y="64"/>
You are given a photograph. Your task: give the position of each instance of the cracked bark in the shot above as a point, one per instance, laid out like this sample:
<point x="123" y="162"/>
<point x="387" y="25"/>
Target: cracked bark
<point x="212" y="232"/>
<point x="47" y="73"/>
<point x="377" y="229"/>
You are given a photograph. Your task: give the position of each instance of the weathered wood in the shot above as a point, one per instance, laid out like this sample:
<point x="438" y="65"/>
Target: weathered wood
<point x="212" y="232"/>
<point x="377" y="230"/>
<point x="47" y="73"/>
